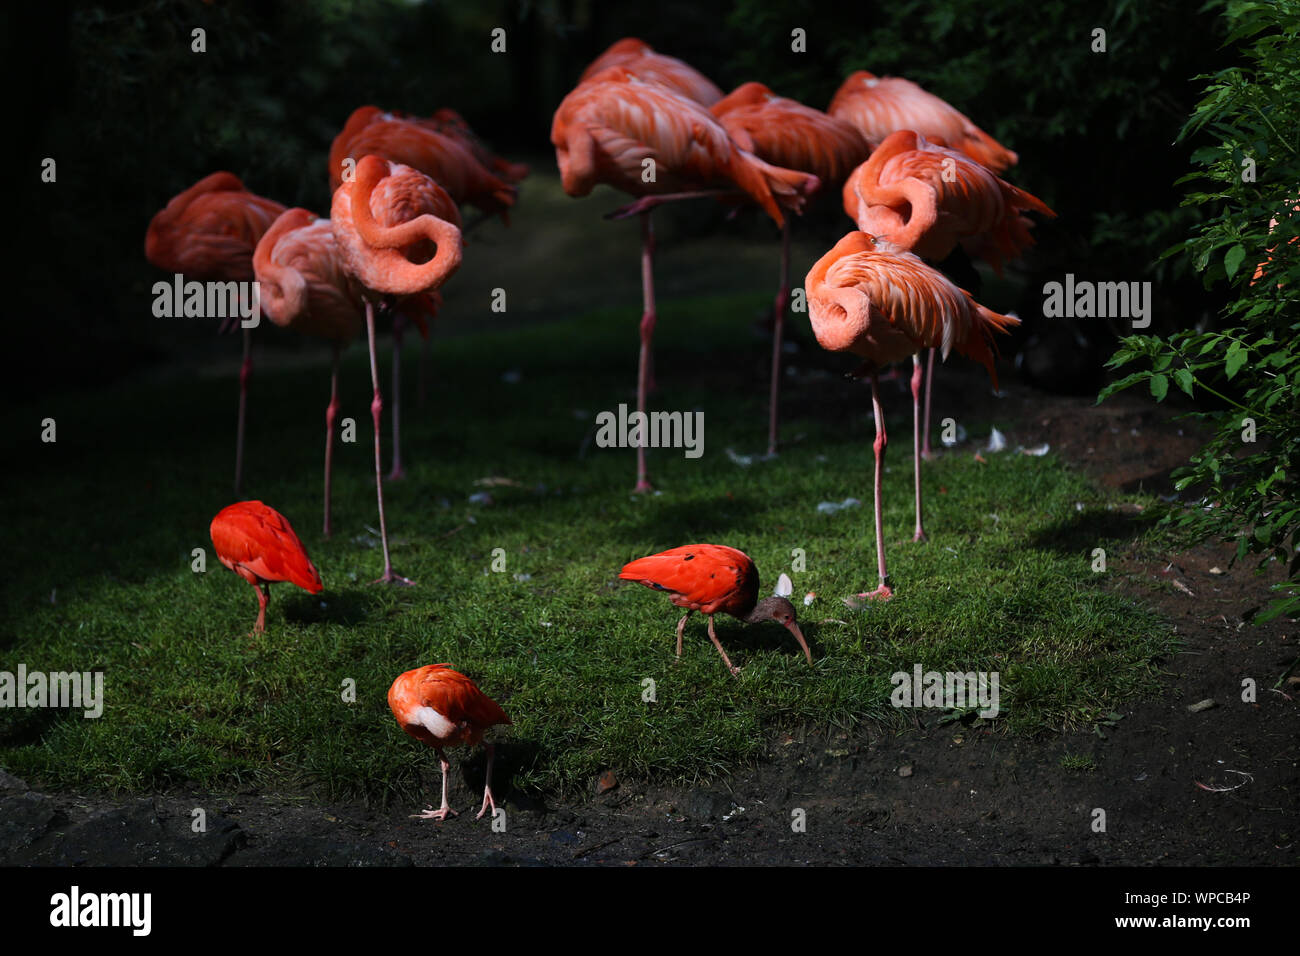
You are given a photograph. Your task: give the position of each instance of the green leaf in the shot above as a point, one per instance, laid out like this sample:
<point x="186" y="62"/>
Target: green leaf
<point x="1184" y="379"/>
<point x="1233" y="258"/>
<point x="1159" y="387"/>
<point x="1235" y="360"/>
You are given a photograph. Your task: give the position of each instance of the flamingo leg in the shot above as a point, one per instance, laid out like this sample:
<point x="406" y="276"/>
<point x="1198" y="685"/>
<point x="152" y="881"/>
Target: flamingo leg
<point x="647" y="335"/>
<point x="445" y="810"/>
<point x="916" y="442"/>
<point x="376" y="409"/>
<point x="884" y="592"/>
<point x="681" y="626"/>
<point x="782" y="295"/>
<point x="399" y="326"/>
<point x="735" y="671"/>
<point x="331" y="414"/>
<point x="929" y="384"/>
<point x="647" y="203"/>
<point x="245" y="373"/>
<point x="487" y="786"/>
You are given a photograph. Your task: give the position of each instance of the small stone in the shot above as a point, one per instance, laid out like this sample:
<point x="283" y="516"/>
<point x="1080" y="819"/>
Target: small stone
<point x="905" y="771"/>
<point x="1208" y="704"/>
<point x="606" y="782"/>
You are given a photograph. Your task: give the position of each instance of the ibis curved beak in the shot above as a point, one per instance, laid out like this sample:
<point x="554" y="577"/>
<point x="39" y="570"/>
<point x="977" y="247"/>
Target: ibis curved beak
<point x="793" y="628"/>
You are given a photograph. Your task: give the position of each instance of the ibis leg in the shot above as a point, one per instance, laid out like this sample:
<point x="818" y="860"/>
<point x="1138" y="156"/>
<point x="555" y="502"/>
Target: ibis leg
<point x="445" y="810"/>
<point x="735" y="671"/>
<point x="681" y="626"/>
<point x="487" y="786"/>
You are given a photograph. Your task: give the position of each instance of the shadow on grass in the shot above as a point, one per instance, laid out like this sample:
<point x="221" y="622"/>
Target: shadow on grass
<point x="1085" y="530"/>
<point x="695" y="520"/>
<point x="347" y="607"/>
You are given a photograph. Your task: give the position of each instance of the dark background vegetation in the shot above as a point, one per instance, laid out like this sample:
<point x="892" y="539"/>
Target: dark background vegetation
<point x="115" y="95"/>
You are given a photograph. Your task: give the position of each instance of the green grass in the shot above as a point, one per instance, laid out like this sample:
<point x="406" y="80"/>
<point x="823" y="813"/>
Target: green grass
<point x="109" y="515"/>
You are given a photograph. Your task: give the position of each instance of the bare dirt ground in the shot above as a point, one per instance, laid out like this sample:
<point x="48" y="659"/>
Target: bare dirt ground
<point x="1213" y="786"/>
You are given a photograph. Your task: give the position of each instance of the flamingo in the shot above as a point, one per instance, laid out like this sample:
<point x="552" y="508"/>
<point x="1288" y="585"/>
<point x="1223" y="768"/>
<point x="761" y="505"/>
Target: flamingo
<point x="399" y="234"/>
<point x="305" y="287"/>
<point x="885" y="306"/>
<point x="258" y="543"/>
<point x="640" y="58"/>
<point x="710" y="578"/>
<point x="880" y="105"/>
<point x="441" y="157"/>
<point x="917" y="197"/>
<point x="443" y="708"/>
<point x="615" y="125"/>
<point x="787" y="133"/>
<point x="208" y="233"/>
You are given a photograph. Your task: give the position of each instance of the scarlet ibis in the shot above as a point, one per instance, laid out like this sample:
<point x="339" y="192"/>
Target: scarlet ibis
<point x="258" y="543"/>
<point x="443" y="708"/>
<point x="616" y="126"/>
<point x="207" y="233"/>
<point x="398" y="233"/>
<point x="710" y="578"/>
<point x="884" y="307"/>
<point x="786" y="133"/>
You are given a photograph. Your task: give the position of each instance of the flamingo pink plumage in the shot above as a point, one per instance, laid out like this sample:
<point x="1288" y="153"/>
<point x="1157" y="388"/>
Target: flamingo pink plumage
<point x="885" y="306"/>
<point x="441" y="157"/>
<point x="305" y="287"/>
<point x="616" y="125"/>
<point x="785" y="132"/>
<point x="640" y="58"/>
<point x="922" y="198"/>
<point x="880" y="105"/>
<point x="398" y="233"/>
<point x="207" y="233"/>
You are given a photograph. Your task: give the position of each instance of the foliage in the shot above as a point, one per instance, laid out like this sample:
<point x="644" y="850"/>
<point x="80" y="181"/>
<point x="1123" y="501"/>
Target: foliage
<point x="1243" y="378"/>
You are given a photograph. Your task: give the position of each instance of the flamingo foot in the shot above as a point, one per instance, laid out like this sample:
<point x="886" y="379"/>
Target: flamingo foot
<point x="431" y="814"/>
<point x="643" y="487"/>
<point x="390" y="577"/>
<point x="882" y="593"/>
<point x="487" y="802"/>
<point x="928" y="455"/>
<point x="920" y="536"/>
<point x="397" y="474"/>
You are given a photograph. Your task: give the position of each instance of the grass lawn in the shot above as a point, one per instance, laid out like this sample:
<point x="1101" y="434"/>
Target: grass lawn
<point x="107" y="517"/>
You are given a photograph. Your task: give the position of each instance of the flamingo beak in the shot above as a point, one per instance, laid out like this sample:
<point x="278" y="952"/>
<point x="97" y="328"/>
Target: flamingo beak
<point x="793" y="628"/>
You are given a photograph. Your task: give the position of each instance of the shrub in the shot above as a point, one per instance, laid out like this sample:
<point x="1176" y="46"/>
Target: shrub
<point x="1242" y="378"/>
